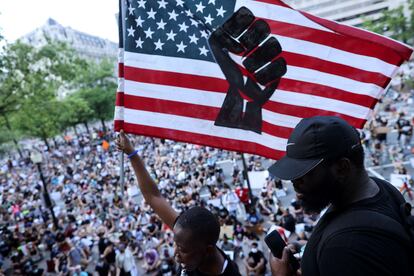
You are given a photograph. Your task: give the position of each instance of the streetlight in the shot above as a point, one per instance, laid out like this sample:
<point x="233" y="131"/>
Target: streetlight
<point x="36" y="158"/>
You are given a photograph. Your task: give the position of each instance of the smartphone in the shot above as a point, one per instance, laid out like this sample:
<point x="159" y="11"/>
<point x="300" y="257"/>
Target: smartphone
<point x="276" y="245"/>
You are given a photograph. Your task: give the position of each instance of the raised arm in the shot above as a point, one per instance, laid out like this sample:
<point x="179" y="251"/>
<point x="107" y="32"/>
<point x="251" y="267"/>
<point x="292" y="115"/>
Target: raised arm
<point x="146" y="184"/>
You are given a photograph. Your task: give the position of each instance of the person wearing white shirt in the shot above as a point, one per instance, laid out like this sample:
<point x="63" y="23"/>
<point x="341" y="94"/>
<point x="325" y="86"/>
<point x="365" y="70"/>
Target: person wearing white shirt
<point x="230" y="201"/>
<point x="125" y="263"/>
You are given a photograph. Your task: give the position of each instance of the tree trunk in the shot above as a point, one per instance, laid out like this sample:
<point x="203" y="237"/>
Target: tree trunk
<point x="87" y="128"/>
<point x="103" y="125"/>
<point x="75" y="129"/>
<point x="14" y="139"/>
<point x="54" y="142"/>
<point x="46" y="143"/>
<point x="18" y="148"/>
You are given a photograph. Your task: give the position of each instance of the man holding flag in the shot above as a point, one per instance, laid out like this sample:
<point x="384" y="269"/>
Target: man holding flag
<point x="196" y="231"/>
<point x="241" y="75"/>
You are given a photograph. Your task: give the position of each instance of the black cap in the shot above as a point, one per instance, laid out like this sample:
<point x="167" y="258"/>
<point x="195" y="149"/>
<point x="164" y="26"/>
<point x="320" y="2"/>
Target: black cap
<point x="312" y="141"/>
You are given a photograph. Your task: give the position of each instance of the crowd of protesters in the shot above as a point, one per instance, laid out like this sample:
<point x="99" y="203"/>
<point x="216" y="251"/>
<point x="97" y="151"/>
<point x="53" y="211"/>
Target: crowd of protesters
<point x="394" y="118"/>
<point x="100" y="230"/>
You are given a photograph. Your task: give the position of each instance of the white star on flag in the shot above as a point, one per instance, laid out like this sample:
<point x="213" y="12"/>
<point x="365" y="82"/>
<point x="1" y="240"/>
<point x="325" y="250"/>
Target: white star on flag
<point x="162" y="4"/>
<point x="158" y="44"/>
<point x="193" y="39"/>
<point x="131" y="10"/>
<point x="180" y="3"/>
<point x="200" y="7"/>
<point x="151" y="14"/>
<point x="139" y="43"/>
<point x="183" y="27"/>
<point x="173" y="15"/>
<point x="139" y="21"/>
<point x="212" y="2"/>
<point x="171" y="36"/>
<point x="220" y="11"/>
<point x="148" y="33"/>
<point x="203" y="51"/>
<point x="131" y="31"/>
<point x="141" y="4"/>
<point x="189" y="13"/>
<point x="181" y="47"/>
<point x="209" y="19"/>
<point x="161" y="24"/>
<point x="204" y="33"/>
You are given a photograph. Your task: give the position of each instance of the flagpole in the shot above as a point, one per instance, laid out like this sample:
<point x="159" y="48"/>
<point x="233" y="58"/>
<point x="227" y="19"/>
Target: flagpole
<point x="122" y="177"/>
<point x="246" y="178"/>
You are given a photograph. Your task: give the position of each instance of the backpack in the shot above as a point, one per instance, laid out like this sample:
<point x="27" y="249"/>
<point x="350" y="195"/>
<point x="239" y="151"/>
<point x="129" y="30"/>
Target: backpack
<point x="365" y="219"/>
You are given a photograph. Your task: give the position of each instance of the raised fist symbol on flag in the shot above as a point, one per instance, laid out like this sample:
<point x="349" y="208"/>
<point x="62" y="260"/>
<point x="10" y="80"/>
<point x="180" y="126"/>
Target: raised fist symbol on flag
<point x="245" y="38"/>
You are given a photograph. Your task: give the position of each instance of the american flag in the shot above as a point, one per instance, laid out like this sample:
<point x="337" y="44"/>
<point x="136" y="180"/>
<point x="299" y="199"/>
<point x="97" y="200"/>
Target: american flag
<point x="170" y="85"/>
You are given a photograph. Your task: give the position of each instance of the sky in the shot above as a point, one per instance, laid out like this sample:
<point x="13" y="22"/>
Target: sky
<point x="95" y="17"/>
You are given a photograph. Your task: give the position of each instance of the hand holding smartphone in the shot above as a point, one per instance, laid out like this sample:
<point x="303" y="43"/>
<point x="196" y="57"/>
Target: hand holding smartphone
<point x="276" y="245"/>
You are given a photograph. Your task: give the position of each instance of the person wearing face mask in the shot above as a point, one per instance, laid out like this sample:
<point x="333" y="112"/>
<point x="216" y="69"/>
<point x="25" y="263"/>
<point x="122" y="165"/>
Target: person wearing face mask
<point x="255" y="262"/>
<point x="166" y="263"/>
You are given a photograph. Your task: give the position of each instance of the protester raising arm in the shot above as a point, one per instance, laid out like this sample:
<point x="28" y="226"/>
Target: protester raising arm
<point x="147" y="185"/>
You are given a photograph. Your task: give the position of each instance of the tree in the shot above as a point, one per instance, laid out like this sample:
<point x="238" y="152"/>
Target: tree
<point x="16" y="60"/>
<point x="31" y="78"/>
<point x="394" y="23"/>
<point x="40" y="117"/>
<point x="75" y="111"/>
<point x="97" y="86"/>
<point x="5" y="137"/>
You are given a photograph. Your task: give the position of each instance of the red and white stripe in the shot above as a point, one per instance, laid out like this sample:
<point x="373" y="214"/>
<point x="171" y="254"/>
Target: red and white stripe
<point x="332" y="70"/>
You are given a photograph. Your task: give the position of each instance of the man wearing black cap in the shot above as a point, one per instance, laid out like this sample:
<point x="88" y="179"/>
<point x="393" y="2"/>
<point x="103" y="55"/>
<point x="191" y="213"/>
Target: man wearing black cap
<point x="364" y="230"/>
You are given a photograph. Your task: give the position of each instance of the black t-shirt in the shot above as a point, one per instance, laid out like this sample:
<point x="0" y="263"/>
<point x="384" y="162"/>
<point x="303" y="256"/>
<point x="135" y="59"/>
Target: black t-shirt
<point x="358" y="252"/>
<point x="231" y="269"/>
<point x="404" y="126"/>
<point x="288" y="222"/>
<point x="257" y="256"/>
<point x="103" y="243"/>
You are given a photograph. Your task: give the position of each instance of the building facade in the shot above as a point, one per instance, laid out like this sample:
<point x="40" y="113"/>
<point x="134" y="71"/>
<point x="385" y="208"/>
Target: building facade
<point x="87" y="46"/>
<point x="350" y="12"/>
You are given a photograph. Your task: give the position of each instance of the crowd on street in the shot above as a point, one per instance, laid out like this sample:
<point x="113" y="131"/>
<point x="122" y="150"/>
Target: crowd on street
<point x="98" y="229"/>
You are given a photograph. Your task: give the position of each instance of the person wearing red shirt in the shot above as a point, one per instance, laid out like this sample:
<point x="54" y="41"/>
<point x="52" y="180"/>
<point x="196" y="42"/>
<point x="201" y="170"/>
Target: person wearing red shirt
<point x="243" y="194"/>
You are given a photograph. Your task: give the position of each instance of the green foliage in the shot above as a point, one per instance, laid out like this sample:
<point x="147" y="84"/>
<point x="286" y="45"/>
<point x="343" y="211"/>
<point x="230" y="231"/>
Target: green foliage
<point x="5" y="134"/>
<point x="15" y="72"/>
<point x="394" y="23"/>
<point x="97" y="87"/>
<point x="29" y="82"/>
<point x="40" y="117"/>
<point x="30" y="79"/>
<point x="75" y="110"/>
